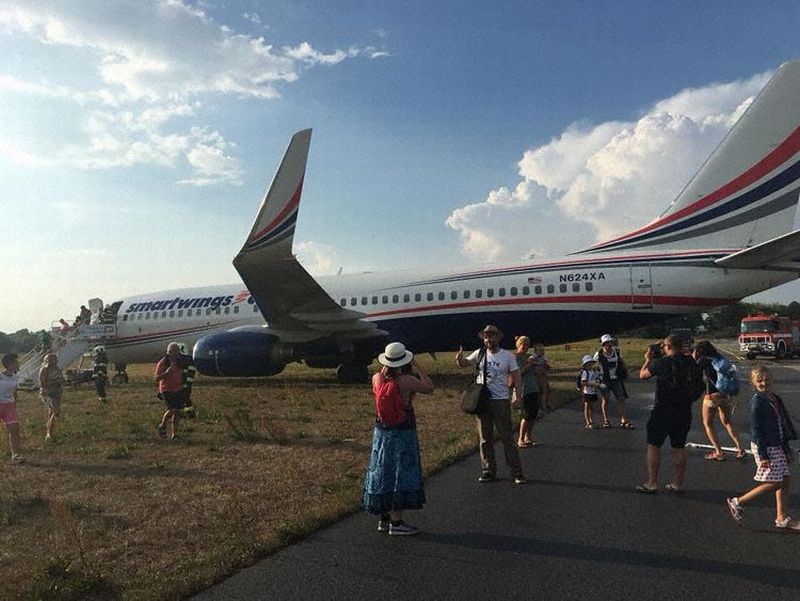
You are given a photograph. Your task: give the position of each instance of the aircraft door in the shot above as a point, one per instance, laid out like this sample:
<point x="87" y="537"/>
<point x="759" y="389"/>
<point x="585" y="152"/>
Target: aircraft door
<point x="641" y="286"/>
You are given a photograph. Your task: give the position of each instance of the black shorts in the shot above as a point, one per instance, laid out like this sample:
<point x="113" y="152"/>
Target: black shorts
<point x="175" y="401"/>
<point x="675" y="426"/>
<point x="589" y="398"/>
<point x="530" y="406"/>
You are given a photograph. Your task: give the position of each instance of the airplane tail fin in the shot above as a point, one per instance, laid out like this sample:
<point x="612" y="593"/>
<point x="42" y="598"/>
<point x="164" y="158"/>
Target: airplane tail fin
<point x="276" y="219"/>
<point x="747" y="191"/>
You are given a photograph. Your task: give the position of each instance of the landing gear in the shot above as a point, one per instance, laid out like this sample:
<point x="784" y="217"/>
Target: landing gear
<point x="349" y="373"/>
<point x="750" y="356"/>
<point x="121" y="377"/>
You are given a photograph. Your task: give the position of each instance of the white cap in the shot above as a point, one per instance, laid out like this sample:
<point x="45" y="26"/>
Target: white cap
<point x="587" y="359"/>
<point x="606" y="338"/>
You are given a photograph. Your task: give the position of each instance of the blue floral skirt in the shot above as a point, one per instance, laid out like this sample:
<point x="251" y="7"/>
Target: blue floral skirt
<point x="394" y="476"/>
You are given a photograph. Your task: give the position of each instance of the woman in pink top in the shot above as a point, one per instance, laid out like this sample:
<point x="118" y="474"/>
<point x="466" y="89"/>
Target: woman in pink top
<point x="169" y="377"/>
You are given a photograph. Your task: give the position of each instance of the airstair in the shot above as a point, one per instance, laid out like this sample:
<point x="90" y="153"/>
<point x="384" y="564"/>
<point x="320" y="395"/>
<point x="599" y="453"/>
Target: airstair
<point x="68" y="345"/>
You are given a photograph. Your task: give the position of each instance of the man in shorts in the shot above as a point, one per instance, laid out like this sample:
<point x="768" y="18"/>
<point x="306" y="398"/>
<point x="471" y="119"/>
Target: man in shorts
<point x="678" y="385"/>
<point x="169" y="376"/>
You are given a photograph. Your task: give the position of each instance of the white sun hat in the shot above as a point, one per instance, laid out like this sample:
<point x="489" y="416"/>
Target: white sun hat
<point x="587" y="359"/>
<point x="395" y="355"/>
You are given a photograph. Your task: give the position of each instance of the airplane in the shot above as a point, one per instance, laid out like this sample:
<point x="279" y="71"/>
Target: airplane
<point x="728" y="234"/>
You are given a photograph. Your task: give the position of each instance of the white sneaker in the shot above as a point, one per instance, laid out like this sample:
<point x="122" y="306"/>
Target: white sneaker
<point x="736" y="510"/>
<point x="520" y="480"/>
<point x="787" y="524"/>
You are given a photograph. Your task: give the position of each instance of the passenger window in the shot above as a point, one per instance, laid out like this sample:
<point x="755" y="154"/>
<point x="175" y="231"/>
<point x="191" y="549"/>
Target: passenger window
<point x="139" y="317"/>
<point x="466" y="293"/>
<point x="385" y="299"/>
<point x="562" y="287"/>
<point x="501" y="292"/>
<point x="576" y="287"/>
<point x="227" y="310"/>
<point x="395" y="298"/>
<point x="353" y="301"/>
<point x="514" y="291"/>
<point x="236" y="309"/>
<point x="343" y="302"/>
<point x="589" y="286"/>
<point x="479" y="294"/>
<point x="155" y="315"/>
<point x="147" y="315"/>
<point x="550" y="289"/>
<point x="124" y="318"/>
<point x="441" y="296"/>
<point x="374" y="300"/>
<point x="218" y="311"/>
<point x="255" y="308"/>
<point x="406" y="298"/>
<point x="537" y="289"/>
<point x="208" y="312"/>
<point x="429" y="296"/>
<point x="490" y="292"/>
<point x="526" y="290"/>
<point x="163" y="315"/>
<point x="363" y="300"/>
<point x="417" y="297"/>
<point x="453" y="295"/>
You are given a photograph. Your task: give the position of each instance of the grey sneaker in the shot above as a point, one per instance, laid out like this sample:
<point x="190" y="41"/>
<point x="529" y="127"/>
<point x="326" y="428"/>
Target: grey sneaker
<point x="787" y="524"/>
<point x="486" y="477"/>
<point x="735" y="510"/>
<point x="402" y="529"/>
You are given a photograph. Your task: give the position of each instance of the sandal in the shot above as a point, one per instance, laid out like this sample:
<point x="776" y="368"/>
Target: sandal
<point x="646" y="490"/>
<point x="626" y="425"/>
<point x="590" y="426"/>
<point x="524" y="445"/>
<point x="606" y="424"/>
<point x="714" y="456"/>
<point x="741" y="454"/>
<point x="676" y="490"/>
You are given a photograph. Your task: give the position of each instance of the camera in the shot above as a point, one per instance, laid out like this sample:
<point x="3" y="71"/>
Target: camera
<point x="656" y="350"/>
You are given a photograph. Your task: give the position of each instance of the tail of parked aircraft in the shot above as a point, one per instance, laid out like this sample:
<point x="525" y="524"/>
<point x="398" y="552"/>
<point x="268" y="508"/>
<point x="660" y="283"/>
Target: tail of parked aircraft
<point x="746" y="193"/>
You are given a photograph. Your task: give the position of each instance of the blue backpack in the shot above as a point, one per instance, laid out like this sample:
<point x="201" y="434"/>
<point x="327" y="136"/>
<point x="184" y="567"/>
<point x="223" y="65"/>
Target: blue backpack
<point x="727" y="377"/>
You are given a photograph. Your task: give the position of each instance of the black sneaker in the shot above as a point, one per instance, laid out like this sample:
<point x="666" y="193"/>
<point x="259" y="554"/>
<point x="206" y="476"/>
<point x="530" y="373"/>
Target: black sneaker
<point x="402" y="529"/>
<point x="486" y="477"/>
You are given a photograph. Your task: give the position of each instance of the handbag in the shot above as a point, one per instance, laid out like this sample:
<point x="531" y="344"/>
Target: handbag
<point x="475" y="396"/>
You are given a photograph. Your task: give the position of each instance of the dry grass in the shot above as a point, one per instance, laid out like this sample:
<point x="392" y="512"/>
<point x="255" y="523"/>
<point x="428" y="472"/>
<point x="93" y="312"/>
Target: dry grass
<point x="112" y="511"/>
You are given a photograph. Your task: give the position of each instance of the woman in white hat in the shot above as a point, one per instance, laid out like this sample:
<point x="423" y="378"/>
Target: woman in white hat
<point x="393" y="481"/>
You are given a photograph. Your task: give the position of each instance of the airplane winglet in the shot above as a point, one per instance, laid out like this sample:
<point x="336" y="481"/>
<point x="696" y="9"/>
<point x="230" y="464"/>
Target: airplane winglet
<point x="277" y="216"/>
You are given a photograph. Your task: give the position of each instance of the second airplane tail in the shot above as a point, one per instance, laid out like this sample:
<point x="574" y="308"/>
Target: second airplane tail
<point x="747" y="191"/>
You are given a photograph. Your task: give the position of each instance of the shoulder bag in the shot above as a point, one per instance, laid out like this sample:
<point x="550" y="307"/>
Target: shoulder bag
<point x="476" y="395"/>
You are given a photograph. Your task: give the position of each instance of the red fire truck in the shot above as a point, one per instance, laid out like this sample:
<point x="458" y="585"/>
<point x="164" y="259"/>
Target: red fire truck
<point x="773" y="335"/>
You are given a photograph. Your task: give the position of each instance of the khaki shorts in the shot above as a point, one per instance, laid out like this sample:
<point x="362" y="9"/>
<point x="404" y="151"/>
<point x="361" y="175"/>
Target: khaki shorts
<point x="716" y="400"/>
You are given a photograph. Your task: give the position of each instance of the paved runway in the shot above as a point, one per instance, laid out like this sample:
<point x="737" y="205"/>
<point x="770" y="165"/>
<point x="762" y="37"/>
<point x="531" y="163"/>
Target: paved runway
<point x="578" y="530"/>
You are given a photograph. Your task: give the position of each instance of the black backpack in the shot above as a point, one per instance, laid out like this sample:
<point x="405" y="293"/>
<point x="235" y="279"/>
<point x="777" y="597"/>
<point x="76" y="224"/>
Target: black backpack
<point x="684" y="377"/>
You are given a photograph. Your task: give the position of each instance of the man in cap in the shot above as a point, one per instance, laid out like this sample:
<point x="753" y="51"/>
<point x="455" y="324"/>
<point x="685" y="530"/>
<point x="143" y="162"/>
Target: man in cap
<point x="613" y="372"/>
<point x="499" y="366"/>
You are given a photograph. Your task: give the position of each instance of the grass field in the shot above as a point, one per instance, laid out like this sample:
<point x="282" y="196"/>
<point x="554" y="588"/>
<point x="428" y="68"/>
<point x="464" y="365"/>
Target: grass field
<point x="110" y="511"/>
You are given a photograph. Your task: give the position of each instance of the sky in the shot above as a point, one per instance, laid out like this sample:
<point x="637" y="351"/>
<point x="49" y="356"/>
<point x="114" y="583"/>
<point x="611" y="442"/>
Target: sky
<point x="137" y="138"/>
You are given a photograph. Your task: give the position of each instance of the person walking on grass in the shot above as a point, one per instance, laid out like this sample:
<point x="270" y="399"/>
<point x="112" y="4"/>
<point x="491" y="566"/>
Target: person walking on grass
<point x="51" y="383"/>
<point x="678" y="385"/>
<point x="528" y="406"/>
<point x="772" y="429"/>
<point x="715" y="402"/>
<point x="393" y="482"/>
<point x="8" y="404"/>
<point x="169" y="376"/>
<point x="498" y="365"/>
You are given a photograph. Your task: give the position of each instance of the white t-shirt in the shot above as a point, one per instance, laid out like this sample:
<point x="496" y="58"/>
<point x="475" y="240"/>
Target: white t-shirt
<point x="612" y="361"/>
<point x="590" y="377"/>
<point x="8" y="384"/>
<point x="498" y="366"/>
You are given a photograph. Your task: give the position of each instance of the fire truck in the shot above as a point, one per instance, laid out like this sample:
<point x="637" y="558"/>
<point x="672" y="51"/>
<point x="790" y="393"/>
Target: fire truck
<point x="773" y="335"/>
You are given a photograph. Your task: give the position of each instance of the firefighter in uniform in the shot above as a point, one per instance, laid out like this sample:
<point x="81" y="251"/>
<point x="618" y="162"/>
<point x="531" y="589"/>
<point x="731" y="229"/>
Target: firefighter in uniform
<point x="186" y="363"/>
<point x="100" y="372"/>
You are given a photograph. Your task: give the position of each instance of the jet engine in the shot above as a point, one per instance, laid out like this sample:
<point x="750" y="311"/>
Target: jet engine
<point x="240" y="354"/>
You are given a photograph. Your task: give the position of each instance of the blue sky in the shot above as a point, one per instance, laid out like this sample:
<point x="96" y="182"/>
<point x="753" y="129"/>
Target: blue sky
<point x="137" y="138"/>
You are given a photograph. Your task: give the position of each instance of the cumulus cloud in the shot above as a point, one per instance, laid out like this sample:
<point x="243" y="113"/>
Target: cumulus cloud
<point x="594" y="182"/>
<point x="146" y="60"/>
<point x="318" y="258"/>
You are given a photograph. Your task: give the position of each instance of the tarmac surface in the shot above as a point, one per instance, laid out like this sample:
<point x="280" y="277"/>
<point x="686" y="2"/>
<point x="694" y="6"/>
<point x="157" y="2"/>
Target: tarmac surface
<point x="577" y="530"/>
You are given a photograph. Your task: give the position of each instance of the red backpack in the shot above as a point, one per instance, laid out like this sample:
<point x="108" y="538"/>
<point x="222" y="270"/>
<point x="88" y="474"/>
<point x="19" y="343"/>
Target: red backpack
<point x="390" y="409"/>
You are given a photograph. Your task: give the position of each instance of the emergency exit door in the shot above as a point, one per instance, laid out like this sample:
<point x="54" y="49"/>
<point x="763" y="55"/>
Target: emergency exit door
<point x="641" y="286"/>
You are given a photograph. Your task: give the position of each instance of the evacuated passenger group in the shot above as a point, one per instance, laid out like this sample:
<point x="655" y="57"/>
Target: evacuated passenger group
<point x="506" y="381"/>
<point x="683" y="374"/>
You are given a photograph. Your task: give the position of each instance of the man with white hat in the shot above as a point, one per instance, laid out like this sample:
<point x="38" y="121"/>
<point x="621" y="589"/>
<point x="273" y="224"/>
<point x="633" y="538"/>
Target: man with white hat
<point x="613" y="372"/>
<point x="498" y="365"/>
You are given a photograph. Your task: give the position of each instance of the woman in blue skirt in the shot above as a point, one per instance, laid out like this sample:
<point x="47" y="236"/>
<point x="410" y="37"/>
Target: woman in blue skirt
<point x="394" y="476"/>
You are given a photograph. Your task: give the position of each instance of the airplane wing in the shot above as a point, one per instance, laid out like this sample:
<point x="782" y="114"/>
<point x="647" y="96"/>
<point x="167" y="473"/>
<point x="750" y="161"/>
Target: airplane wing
<point x="295" y="306"/>
<point x="782" y="252"/>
